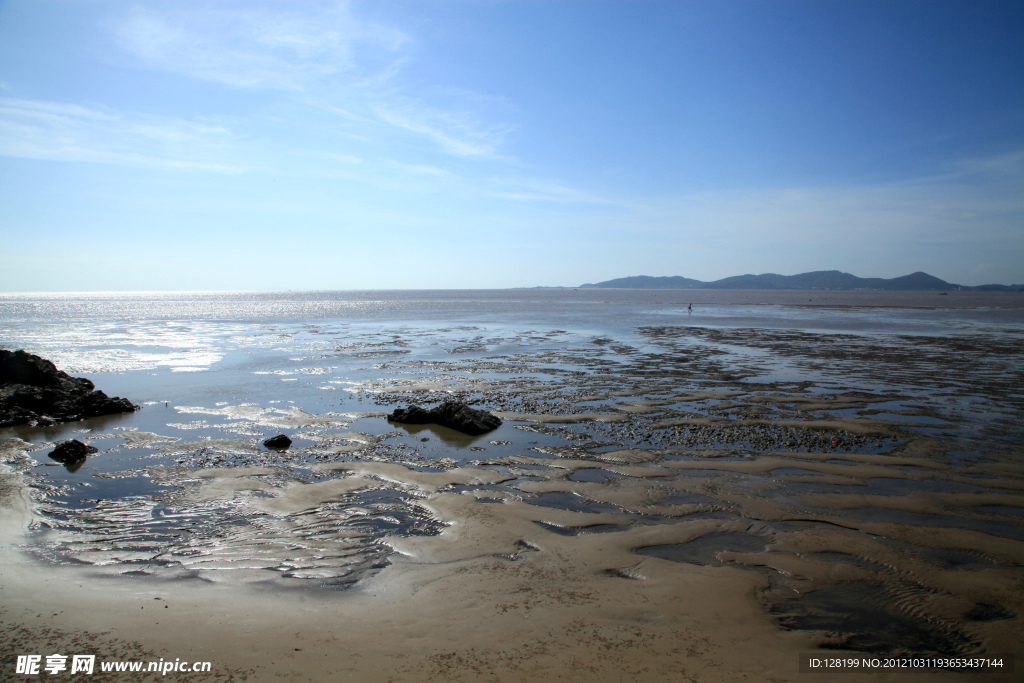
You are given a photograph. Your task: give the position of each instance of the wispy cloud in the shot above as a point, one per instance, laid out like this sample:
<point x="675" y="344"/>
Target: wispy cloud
<point x="421" y="170"/>
<point x="998" y="167"/>
<point x="36" y="129"/>
<point x="547" y="190"/>
<point x="261" y="46"/>
<point x="457" y="133"/>
<point x="322" y="53"/>
<point x="824" y="216"/>
<point x="912" y="223"/>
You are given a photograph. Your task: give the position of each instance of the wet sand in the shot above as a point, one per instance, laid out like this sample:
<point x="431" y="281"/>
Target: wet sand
<point x="669" y="511"/>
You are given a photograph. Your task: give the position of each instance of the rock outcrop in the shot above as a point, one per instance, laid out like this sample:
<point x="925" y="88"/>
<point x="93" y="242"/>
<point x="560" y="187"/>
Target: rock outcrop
<point x="34" y="392"/>
<point x="457" y="416"/>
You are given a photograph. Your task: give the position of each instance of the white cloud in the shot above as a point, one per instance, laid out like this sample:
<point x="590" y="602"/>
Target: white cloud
<point x="998" y="167"/>
<point x="547" y="190"/>
<point x="944" y="224"/>
<point x="457" y="133"/>
<point x="321" y="53"/>
<point x="422" y="170"/>
<point x="36" y="129"/>
<point x="257" y="46"/>
<point x="940" y="207"/>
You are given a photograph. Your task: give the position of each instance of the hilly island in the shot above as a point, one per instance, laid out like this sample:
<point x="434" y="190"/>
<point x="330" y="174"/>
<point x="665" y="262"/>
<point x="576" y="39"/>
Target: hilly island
<point x="821" y="279"/>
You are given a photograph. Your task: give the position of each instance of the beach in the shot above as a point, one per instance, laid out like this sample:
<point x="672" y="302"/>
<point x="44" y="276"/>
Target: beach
<point x="672" y="495"/>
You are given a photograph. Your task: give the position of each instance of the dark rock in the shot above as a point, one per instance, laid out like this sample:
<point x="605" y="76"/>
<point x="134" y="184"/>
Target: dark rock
<point x="280" y="442"/>
<point x="457" y="416"/>
<point x="71" y="451"/>
<point x="34" y="391"/>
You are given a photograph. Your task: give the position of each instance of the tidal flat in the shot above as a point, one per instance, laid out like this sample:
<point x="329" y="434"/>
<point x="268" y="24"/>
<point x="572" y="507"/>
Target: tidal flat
<point x="671" y="496"/>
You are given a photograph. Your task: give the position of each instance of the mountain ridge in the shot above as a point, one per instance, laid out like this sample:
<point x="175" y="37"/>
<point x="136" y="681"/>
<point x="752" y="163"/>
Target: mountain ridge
<point x="819" y="279"/>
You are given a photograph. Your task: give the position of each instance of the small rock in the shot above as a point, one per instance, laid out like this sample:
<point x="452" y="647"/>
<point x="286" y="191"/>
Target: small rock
<point x="280" y="442"/>
<point x="71" y="451"/>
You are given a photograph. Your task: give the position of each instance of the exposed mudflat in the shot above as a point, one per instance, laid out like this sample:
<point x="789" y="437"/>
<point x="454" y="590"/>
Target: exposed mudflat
<point x="650" y="506"/>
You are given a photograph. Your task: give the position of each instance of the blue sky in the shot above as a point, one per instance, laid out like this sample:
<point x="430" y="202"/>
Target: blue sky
<point x="484" y="143"/>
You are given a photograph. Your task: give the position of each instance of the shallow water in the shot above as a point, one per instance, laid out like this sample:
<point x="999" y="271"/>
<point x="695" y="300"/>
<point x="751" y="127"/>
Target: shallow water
<point x="706" y="549"/>
<point x="860" y="417"/>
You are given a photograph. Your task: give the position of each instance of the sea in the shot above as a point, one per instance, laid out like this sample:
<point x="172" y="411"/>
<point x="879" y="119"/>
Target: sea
<point x="215" y="374"/>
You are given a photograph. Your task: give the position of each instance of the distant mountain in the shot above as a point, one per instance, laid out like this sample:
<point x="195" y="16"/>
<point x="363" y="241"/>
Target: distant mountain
<point x="822" y="279"/>
<point x="648" y="282"/>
